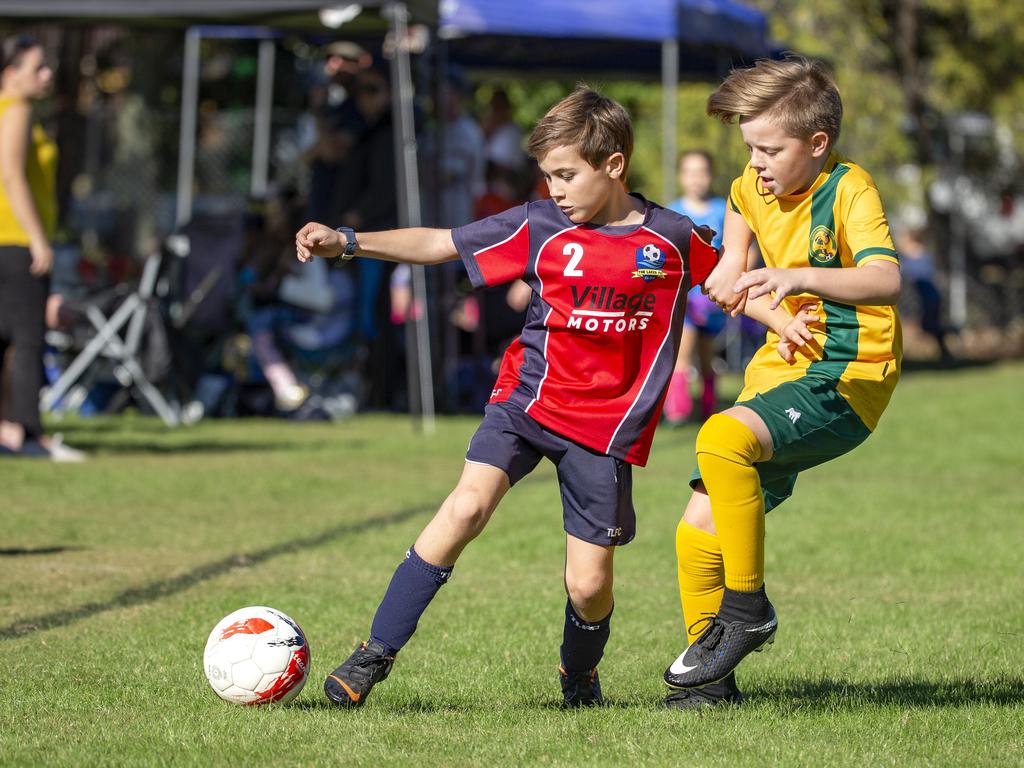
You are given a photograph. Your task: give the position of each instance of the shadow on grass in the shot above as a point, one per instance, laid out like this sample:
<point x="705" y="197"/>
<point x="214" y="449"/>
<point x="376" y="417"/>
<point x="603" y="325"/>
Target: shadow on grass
<point x="21" y="551"/>
<point x="414" y="707"/>
<point x="800" y="695"/>
<point x="433" y="706"/>
<point x="158" y="590"/>
<point x="155" y="447"/>
<point x="910" y="693"/>
<point x="159" y="446"/>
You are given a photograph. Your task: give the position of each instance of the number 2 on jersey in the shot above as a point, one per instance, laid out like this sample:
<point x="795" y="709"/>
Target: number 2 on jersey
<point x="575" y="253"/>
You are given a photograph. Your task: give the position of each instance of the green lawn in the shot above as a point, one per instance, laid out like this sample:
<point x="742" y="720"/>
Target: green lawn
<point x="896" y="572"/>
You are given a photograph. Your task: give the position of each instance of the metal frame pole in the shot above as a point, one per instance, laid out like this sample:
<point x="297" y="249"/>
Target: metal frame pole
<point x="262" y="118"/>
<point x="409" y="209"/>
<point x="187" y="139"/>
<point x="957" y="235"/>
<point x="669" y="116"/>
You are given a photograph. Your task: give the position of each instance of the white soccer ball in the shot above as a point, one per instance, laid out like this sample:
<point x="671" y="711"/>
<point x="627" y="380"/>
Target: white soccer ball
<point x="652" y="254"/>
<point x="256" y="655"/>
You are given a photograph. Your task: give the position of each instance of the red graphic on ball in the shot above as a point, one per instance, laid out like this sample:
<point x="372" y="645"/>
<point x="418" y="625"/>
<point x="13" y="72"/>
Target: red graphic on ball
<point x="254" y="626"/>
<point x="293" y="674"/>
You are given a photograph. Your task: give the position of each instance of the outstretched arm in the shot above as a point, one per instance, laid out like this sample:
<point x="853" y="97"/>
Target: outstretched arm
<point x="875" y="284"/>
<point x="415" y="245"/>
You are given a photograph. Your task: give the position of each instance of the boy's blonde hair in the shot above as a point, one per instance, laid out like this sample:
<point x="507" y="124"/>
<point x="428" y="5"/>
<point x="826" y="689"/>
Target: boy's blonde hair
<point x="798" y="94"/>
<point x="595" y="125"/>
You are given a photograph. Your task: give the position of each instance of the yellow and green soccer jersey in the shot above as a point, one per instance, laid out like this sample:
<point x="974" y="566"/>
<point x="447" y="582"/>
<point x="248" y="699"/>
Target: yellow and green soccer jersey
<point x="837" y="224"/>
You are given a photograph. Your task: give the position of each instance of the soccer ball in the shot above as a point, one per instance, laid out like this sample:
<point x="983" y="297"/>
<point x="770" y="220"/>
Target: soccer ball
<point x="256" y="655"/>
<point x="652" y="254"/>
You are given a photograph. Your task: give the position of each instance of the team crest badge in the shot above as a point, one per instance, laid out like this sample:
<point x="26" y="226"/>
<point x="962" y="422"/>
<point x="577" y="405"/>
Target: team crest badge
<point x="649" y="262"/>
<point x="823" y="245"/>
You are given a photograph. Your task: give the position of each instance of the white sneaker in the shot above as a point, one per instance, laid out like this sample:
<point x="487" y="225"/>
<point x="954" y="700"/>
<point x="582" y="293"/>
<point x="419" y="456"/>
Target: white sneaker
<point x="63" y="453"/>
<point x="291" y="397"/>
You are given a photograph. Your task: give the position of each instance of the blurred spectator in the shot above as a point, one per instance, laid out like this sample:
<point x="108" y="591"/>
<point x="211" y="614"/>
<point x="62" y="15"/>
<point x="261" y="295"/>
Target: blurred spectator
<point x="501" y="191"/>
<point x="131" y="172"/>
<point x="270" y="261"/>
<point x="293" y="316"/>
<point x="704" y="319"/>
<point x="462" y="155"/>
<point x="368" y="202"/>
<point x="918" y="268"/>
<point x="28" y="217"/>
<point x="483" y="322"/>
<point x="338" y="124"/>
<point x="504" y="140"/>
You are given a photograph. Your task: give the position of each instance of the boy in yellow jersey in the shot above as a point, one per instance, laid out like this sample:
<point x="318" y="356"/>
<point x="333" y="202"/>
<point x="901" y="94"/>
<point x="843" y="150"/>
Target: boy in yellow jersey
<point x="833" y="275"/>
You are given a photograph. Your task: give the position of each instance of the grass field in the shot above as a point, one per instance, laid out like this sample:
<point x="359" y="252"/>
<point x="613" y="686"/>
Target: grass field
<point x="896" y="572"/>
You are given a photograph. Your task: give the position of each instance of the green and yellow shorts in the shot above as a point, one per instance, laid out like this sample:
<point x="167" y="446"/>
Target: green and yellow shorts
<point x="810" y="423"/>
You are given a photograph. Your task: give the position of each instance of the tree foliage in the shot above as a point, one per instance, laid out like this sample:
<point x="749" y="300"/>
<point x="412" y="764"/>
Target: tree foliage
<point x="903" y="67"/>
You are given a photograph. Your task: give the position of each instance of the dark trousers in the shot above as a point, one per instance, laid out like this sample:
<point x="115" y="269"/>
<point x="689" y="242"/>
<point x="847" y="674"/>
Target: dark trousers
<point x="22" y="326"/>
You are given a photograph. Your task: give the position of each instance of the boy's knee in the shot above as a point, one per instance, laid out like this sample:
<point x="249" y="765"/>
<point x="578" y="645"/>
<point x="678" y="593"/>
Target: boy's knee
<point x="698" y="513"/>
<point x="468" y="511"/>
<point x="587" y="588"/>
<point x="729" y="439"/>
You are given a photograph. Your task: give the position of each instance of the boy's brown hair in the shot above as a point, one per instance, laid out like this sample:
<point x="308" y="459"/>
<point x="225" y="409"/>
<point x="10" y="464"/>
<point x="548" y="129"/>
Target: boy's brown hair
<point x="798" y="94"/>
<point x="595" y="125"/>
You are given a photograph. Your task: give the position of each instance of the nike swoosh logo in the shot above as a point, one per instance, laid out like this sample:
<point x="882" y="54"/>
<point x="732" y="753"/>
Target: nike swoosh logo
<point x="679" y="668"/>
<point x="351" y="694"/>
<point x="764" y="627"/>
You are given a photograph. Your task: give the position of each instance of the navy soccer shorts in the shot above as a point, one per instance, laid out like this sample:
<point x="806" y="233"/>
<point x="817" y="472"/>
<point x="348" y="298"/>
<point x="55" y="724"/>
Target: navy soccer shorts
<point x="597" y="489"/>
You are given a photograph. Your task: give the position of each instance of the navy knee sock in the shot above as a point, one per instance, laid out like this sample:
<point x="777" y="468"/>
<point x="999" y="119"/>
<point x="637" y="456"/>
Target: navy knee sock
<point x="583" y="641"/>
<point x="411" y="589"/>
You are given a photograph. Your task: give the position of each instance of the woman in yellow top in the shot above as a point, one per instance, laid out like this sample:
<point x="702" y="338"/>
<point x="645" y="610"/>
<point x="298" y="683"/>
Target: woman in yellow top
<point x="28" y="215"/>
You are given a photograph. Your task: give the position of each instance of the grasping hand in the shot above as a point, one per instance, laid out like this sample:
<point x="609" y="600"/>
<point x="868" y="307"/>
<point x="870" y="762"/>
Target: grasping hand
<point x="795" y="334"/>
<point x="719" y="287"/>
<point x="778" y="282"/>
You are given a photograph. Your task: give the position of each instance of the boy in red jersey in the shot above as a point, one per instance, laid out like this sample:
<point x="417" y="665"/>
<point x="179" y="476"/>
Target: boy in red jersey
<point x="583" y="385"/>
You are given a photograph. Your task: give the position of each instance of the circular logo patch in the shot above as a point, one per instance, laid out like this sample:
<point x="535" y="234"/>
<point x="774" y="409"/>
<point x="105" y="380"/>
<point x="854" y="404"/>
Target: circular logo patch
<point x="823" y="244"/>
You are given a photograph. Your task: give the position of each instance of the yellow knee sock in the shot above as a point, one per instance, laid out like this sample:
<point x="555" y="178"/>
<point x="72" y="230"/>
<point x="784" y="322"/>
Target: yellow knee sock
<point x="701" y="579"/>
<point x="726" y="453"/>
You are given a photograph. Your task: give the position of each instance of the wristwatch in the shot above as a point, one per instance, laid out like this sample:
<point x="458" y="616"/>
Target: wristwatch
<point x="350" y="244"/>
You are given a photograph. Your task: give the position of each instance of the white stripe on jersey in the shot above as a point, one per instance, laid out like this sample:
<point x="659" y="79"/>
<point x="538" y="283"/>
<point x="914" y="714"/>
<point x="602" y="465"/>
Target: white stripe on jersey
<point x="599" y="313"/>
<point x="661" y="347"/>
<point x="547" y="333"/>
<point x="510" y="237"/>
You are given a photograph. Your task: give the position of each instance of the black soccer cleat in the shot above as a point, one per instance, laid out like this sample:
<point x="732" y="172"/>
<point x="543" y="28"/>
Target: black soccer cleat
<point x="719" y="650"/>
<point x="721" y="694"/>
<point x="582" y="689"/>
<point x="350" y="684"/>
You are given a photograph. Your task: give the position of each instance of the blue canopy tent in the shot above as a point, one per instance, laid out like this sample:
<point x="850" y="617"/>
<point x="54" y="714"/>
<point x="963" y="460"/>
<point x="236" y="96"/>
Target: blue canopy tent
<point x="604" y="35"/>
<point x="695" y="38"/>
<point x="701" y="38"/>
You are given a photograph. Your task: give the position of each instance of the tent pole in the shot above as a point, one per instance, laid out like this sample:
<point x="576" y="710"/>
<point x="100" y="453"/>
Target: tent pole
<point x="669" y="117"/>
<point x="262" y="115"/>
<point x="187" y="137"/>
<point x="409" y="211"/>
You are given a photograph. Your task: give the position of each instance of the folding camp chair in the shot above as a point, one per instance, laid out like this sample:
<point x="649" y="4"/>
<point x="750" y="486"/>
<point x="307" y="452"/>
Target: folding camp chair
<point x="108" y="343"/>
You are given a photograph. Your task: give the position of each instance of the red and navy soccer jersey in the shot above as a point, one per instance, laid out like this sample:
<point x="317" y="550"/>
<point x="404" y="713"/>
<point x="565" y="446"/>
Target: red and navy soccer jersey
<point x="602" y="329"/>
